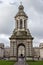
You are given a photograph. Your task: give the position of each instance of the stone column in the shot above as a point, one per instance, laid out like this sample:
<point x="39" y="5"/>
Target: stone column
<point x="27" y="49"/>
<point x="11" y="48"/>
<point x="23" y="24"/>
<point x="18" y="24"/>
<point x="30" y="47"/>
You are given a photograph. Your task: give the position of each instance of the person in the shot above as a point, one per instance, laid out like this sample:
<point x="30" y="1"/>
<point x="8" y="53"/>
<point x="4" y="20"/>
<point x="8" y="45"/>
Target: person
<point x="21" y="55"/>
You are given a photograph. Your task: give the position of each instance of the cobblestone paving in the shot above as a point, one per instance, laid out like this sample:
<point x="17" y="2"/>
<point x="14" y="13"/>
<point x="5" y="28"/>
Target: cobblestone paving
<point x="21" y="62"/>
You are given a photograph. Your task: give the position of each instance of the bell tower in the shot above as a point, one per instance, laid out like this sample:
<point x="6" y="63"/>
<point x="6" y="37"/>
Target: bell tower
<point x="21" y="21"/>
<point x="21" y="37"/>
<point x="21" y="18"/>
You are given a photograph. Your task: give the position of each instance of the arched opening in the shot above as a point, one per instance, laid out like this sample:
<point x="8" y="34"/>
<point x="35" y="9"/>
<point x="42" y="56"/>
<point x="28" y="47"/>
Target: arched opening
<point x="17" y="23"/>
<point x="20" y="23"/>
<point x="21" y="51"/>
<point x="25" y="24"/>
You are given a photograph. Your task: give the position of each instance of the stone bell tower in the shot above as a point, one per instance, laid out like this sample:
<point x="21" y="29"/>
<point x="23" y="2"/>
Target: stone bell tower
<point x="21" y="38"/>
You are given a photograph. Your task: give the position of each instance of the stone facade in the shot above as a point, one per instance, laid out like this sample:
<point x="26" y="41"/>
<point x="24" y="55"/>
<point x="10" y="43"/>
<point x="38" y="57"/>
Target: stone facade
<point x="1" y="51"/>
<point x="41" y="51"/>
<point x="5" y="52"/>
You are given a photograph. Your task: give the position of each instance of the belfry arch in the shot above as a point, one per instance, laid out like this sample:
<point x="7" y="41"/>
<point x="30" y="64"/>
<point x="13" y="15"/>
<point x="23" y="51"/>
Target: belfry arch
<point x="21" y="50"/>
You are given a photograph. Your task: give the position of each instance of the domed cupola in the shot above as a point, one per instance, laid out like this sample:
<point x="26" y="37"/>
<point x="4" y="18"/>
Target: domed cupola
<point x="21" y="18"/>
<point x="21" y="12"/>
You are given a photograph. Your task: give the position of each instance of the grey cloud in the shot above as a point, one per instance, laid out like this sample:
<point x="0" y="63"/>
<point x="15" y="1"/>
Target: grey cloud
<point x="1" y="1"/>
<point x="13" y="3"/>
<point x="35" y="23"/>
<point x="4" y="39"/>
<point x="37" y="32"/>
<point x="38" y="5"/>
<point x="7" y="24"/>
<point x="36" y="28"/>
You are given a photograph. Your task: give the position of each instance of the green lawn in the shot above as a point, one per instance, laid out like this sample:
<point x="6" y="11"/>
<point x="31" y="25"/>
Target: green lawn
<point x="35" y="62"/>
<point x="4" y="62"/>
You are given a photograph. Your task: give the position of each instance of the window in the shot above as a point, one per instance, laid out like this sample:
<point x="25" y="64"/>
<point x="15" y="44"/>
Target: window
<point x="17" y="23"/>
<point x="20" y="23"/>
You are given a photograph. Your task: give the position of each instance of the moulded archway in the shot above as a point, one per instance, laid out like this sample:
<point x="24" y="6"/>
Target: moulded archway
<point x="21" y="50"/>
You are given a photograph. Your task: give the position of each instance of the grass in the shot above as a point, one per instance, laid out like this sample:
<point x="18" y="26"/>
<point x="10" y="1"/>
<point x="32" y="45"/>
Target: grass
<point x="4" y="62"/>
<point x="35" y="62"/>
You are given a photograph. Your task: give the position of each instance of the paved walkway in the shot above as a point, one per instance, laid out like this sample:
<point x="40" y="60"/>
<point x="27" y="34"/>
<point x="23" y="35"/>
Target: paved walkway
<point x="21" y="62"/>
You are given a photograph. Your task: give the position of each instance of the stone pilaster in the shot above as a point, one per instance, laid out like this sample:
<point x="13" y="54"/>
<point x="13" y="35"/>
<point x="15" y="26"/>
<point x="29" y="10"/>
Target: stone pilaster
<point x="13" y="48"/>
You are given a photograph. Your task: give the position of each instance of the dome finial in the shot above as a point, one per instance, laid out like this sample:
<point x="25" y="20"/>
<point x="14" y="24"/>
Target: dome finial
<point x="21" y="6"/>
<point x="21" y="2"/>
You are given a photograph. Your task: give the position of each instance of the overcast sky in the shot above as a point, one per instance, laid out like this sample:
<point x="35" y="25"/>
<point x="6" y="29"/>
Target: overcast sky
<point x="34" y="10"/>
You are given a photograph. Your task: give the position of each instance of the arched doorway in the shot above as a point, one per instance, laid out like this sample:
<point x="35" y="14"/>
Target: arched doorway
<point x="21" y="52"/>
